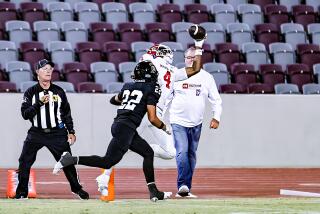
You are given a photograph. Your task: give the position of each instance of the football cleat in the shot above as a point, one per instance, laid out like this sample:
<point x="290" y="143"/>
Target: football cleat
<point x="65" y="160"/>
<point x="103" y="181"/>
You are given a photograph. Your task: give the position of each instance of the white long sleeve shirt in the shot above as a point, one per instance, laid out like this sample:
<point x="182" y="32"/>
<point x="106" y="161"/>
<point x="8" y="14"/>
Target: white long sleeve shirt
<point x="189" y="100"/>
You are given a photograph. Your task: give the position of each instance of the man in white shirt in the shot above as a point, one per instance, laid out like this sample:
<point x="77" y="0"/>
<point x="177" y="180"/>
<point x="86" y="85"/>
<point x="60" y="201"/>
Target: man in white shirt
<point x="186" y="116"/>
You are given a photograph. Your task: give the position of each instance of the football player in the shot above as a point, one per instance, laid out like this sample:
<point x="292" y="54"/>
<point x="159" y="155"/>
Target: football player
<point x="135" y="100"/>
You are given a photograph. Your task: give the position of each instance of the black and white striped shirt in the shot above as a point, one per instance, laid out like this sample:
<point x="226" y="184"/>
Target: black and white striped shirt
<point x="54" y="114"/>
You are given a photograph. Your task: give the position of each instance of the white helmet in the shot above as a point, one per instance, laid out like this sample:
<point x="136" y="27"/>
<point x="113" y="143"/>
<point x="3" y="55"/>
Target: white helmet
<point x="162" y="51"/>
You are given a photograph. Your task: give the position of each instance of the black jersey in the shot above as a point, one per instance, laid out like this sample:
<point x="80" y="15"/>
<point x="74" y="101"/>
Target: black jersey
<point x="135" y="97"/>
<point x="54" y="114"/>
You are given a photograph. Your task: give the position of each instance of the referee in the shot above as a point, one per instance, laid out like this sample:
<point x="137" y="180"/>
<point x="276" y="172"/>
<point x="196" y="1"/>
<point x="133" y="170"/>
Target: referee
<point x="47" y="108"/>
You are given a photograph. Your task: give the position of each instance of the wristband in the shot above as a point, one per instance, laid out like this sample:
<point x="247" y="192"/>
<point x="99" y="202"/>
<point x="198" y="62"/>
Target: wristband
<point x="198" y="52"/>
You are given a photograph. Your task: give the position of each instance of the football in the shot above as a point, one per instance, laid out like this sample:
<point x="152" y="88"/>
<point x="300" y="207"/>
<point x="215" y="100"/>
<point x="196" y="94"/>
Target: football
<point x="197" y="32"/>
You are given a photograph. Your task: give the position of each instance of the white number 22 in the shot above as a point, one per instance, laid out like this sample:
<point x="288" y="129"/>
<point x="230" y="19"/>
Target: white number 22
<point x="131" y="99"/>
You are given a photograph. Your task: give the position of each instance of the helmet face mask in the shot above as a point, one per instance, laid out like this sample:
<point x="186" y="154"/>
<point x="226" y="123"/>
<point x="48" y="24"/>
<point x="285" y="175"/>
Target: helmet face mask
<point x="162" y="51"/>
<point x="145" y="71"/>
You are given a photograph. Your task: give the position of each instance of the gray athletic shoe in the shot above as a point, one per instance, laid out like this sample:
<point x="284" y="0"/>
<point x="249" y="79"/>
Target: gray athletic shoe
<point x="65" y="160"/>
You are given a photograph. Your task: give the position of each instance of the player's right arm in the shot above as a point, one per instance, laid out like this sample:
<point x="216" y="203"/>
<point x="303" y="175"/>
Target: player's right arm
<point x="28" y="111"/>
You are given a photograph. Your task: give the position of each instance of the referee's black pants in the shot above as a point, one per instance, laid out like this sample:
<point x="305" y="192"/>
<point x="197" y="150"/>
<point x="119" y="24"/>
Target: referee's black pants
<point x="124" y="138"/>
<point x="57" y="143"/>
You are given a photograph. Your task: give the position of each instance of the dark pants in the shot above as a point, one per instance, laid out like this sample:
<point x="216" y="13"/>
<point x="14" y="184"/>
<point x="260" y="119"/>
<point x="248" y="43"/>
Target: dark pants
<point x="57" y="143"/>
<point x="124" y="138"/>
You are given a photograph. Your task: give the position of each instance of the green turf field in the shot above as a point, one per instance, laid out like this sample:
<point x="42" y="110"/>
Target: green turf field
<point x="239" y="206"/>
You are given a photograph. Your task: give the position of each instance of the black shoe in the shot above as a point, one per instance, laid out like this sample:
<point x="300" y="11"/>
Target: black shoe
<point x="21" y="195"/>
<point x="156" y="195"/>
<point x="83" y="195"/>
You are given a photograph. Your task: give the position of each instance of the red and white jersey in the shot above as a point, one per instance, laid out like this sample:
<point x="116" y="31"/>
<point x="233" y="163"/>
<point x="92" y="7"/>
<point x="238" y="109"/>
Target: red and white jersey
<point x="168" y="74"/>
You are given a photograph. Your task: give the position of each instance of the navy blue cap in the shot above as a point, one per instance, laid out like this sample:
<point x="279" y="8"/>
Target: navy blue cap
<point x="42" y="63"/>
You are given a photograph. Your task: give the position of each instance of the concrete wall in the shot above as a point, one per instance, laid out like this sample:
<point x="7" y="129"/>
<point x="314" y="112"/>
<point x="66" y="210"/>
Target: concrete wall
<point x="255" y="131"/>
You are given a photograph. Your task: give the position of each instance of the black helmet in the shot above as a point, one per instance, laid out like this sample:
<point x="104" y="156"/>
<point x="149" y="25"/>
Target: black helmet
<point x="145" y="71"/>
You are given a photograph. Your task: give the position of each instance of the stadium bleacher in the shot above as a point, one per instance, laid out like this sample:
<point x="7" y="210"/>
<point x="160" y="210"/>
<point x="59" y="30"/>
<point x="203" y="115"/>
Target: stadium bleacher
<point x="252" y="45"/>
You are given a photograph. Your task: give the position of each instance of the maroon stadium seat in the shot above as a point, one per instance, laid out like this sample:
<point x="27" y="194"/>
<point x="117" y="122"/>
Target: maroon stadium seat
<point x="169" y="13"/>
<point x="32" y="11"/>
<point x="243" y="74"/>
<point x="263" y="3"/>
<point x="158" y="32"/>
<point x="76" y="72"/>
<point x="89" y="52"/>
<point x="7" y="12"/>
<point x="267" y="33"/>
<point x="130" y="32"/>
<point x="7" y="86"/>
<point x="196" y="13"/>
<point x="277" y="14"/>
<point x="102" y="32"/>
<point x="232" y="88"/>
<point x="32" y="52"/>
<point x="227" y="53"/>
<point x="303" y="14"/>
<point x="116" y="52"/>
<point x="309" y="54"/>
<point x="272" y="74"/>
<point x="260" y="88"/>
<point x="299" y="74"/>
<point x="90" y="87"/>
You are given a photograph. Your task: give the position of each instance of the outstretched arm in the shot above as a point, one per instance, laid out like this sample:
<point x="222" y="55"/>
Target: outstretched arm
<point x="154" y="120"/>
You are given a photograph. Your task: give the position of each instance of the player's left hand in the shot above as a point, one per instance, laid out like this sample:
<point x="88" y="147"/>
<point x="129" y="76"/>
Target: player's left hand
<point x="214" y="124"/>
<point x="71" y="139"/>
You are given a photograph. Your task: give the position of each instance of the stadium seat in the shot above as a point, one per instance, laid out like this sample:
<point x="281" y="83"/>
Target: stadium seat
<point x="272" y="74"/>
<point x="32" y="52"/>
<point x="115" y="13"/>
<point x="7" y="12"/>
<point x="74" y="32"/>
<point x="255" y="54"/>
<point x="104" y="72"/>
<point x="8" y="52"/>
<point x="88" y="12"/>
<point x="46" y="31"/>
<point x="316" y="71"/>
<point x="89" y="52"/>
<point x="182" y="3"/>
<point x="299" y="74"/>
<point x="304" y="15"/>
<point x="286" y="88"/>
<point x="32" y="11"/>
<point x="60" y="12"/>
<point x="73" y="2"/>
<point x="102" y="32"/>
<point x="140" y="48"/>
<point x="227" y="53"/>
<point x="196" y="13"/>
<point x="130" y="32"/>
<point x="178" y="51"/>
<point x="311" y="88"/>
<point x="156" y="3"/>
<point x="61" y="52"/>
<point x="219" y="72"/>
<point x="113" y="87"/>
<point x="282" y="54"/>
<point x="207" y="54"/>
<point x="19" y="31"/>
<point x="208" y="3"/>
<point x="260" y="88"/>
<point x="240" y="33"/>
<point x="25" y="85"/>
<point x="293" y="34"/>
<point x="66" y="86"/>
<point x="267" y="33"/>
<point x="116" y="52"/>
<point x="243" y="74"/>
<point x="232" y="88"/>
<point x="180" y="29"/>
<point x="7" y="87"/>
<point x="309" y="54"/>
<point x="314" y="33"/>
<point x="236" y="3"/>
<point x="277" y="14"/>
<point x="314" y="3"/>
<point x="126" y="69"/>
<point x="75" y="72"/>
<point x="262" y="3"/>
<point x="158" y="32"/>
<point x="46" y="2"/>
<point x="289" y="3"/>
<point x="215" y="33"/>
<point x="223" y="14"/>
<point x="250" y="14"/>
<point x="90" y="87"/>
<point x="142" y="13"/>
<point x="169" y="13"/>
<point x="19" y="72"/>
